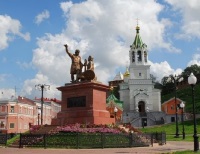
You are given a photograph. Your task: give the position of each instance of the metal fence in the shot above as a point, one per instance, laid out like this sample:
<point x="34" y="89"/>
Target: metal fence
<point x="5" y="137"/>
<point x="86" y="140"/>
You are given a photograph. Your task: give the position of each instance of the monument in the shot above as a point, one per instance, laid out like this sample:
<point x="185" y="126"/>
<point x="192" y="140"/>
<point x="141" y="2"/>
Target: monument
<point x="84" y="99"/>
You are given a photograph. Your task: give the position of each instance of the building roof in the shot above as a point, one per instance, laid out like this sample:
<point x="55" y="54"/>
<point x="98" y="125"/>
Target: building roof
<point x="112" y="99"/>
<point x="25" y="100"/>
<point x="127" y="73"/>
<point x="118" y="76"/>
<point x="173" y="98"/>
<point x="138" y="43"/>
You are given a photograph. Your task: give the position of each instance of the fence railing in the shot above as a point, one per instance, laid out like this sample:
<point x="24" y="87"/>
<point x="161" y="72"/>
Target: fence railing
<point x="5" y="137"/>
<point x="84" y="140"/>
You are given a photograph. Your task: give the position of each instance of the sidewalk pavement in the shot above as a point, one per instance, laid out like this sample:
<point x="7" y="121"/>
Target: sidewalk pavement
<point x="171" y="146"/>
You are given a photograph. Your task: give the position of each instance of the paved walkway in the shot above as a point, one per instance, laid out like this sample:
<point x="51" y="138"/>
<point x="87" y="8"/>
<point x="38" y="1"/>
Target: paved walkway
<point x="169" y="147"/>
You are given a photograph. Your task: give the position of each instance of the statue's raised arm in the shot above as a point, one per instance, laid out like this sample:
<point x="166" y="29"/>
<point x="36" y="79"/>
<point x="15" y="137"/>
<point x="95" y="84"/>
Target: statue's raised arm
<point x="67" y="51"/>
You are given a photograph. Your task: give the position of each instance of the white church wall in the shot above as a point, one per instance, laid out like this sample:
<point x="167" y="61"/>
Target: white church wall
<point x="124" y="96"/>
<point x="156" y="101"/>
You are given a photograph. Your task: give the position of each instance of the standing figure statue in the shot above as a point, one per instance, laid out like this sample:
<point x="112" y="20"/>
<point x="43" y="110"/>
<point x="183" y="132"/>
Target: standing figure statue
<point x="89" y="69"/>
<point x="76" y="66"/>
<point x="90" y="64"/>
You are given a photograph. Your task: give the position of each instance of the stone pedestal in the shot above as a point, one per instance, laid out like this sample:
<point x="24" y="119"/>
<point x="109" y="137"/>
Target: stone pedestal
<point x="83" y="102"/>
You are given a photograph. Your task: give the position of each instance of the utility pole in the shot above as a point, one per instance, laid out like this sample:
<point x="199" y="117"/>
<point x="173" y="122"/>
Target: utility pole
<point x="42" y="87"/>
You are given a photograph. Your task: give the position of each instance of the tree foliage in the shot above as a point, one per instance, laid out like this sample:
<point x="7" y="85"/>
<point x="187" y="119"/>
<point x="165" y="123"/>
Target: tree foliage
<point x="195" y="69"/>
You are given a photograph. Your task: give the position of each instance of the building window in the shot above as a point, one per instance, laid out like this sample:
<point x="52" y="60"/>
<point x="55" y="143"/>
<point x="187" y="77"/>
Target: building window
<point x="140" y="74"/>
<point x="133" y="56"/>
<point x="26" y="110"/>
<point x="139" y="56"/>
<point x="2" y="124"/>
<point x="12" y="109"/>
<point x="145" y="56"/>
<point x="12" y="125"/>
<point x="25" y="126"/>
<point x="20" y="109"/>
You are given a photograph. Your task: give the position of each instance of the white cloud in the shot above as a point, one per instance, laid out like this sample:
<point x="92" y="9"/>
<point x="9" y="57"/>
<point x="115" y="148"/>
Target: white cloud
<point x="42" y="16"/>
<point x="103" y="29"/>
<point x="9" y="28"/>
<point x="195" y="60"/>
<point x="31" y="89"/>
<point x="191" y="20"/>
<point x="66" y="7"/>
<point x="24" y="65"/>
<point x="7" y="94"/>
<point x="160" y="70"/>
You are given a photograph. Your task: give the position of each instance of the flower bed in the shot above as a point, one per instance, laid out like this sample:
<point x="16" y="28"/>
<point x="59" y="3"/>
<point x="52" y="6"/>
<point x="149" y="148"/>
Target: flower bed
<point x="83" y="128"/>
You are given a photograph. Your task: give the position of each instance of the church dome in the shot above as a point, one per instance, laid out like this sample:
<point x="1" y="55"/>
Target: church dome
<point x="127" y="74"/>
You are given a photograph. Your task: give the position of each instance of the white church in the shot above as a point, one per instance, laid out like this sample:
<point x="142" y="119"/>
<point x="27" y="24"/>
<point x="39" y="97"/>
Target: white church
<point x="141" y="101"/>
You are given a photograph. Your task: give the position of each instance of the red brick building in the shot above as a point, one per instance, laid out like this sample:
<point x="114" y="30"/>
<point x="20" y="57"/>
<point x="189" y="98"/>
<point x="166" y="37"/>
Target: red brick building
<point x="169" y="108"/>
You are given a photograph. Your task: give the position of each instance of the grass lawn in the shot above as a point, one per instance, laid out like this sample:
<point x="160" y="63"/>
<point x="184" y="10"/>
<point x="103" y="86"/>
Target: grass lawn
<point x="170" y="130"/>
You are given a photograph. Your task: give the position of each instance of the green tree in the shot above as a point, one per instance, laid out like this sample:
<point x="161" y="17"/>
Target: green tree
<point x="195" y="69"/>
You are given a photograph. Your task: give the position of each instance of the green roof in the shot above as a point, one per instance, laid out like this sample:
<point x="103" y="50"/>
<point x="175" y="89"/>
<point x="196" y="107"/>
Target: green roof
<point x="138" y="40"/>
<point x="112" y="98"/>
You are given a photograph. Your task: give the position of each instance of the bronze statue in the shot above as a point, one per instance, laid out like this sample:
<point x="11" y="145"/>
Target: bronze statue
<point x="89" y="72"/>
<point x="77" y="65"/>
<point x="90" y="64"/>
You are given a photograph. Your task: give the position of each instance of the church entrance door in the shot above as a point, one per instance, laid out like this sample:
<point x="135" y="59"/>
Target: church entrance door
<point x="141" y="106"/>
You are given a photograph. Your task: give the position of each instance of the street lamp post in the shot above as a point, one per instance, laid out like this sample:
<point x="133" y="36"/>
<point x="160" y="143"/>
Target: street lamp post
<point x="192" y="81"/>
<point x="176" y="79"/>
<point x="39" y="111"/>
<point x="115" y="111"/>
<point x="42" y="87"/>
<point x="182" y="105"/>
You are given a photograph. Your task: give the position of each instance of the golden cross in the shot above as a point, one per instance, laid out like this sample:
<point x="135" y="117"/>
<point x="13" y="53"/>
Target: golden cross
<point x="137" y="21"/>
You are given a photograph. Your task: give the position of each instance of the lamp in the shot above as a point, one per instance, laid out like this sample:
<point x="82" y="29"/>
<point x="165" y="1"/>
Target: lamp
<point x="182" y="105"/>
<point x="115" y="111"/>
<point x="39" y="112"/>
<point x="192" y="81"/>
<point x="42" y="87"/>
<point x="175" y="79"/>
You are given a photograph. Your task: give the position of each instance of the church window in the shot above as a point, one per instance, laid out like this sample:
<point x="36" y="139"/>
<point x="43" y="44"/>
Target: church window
<point x="133" y="56"/>
<point x="139" y="56"/>
<point x="145" y="56"/>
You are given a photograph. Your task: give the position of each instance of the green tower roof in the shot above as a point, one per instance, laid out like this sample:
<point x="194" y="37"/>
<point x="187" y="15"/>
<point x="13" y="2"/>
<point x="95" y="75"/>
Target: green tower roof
<point x="138" y="40"/>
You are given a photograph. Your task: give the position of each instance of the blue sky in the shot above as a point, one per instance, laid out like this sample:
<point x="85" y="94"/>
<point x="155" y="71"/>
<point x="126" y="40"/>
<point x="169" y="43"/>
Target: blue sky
<point x="33" y="33"/>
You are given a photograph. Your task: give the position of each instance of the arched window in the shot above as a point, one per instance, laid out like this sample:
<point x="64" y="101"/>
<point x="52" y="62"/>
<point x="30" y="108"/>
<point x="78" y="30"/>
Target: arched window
<point x="133" y="56"/>
<point x="139" y="56"/>
<point x="145" y="56"/>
